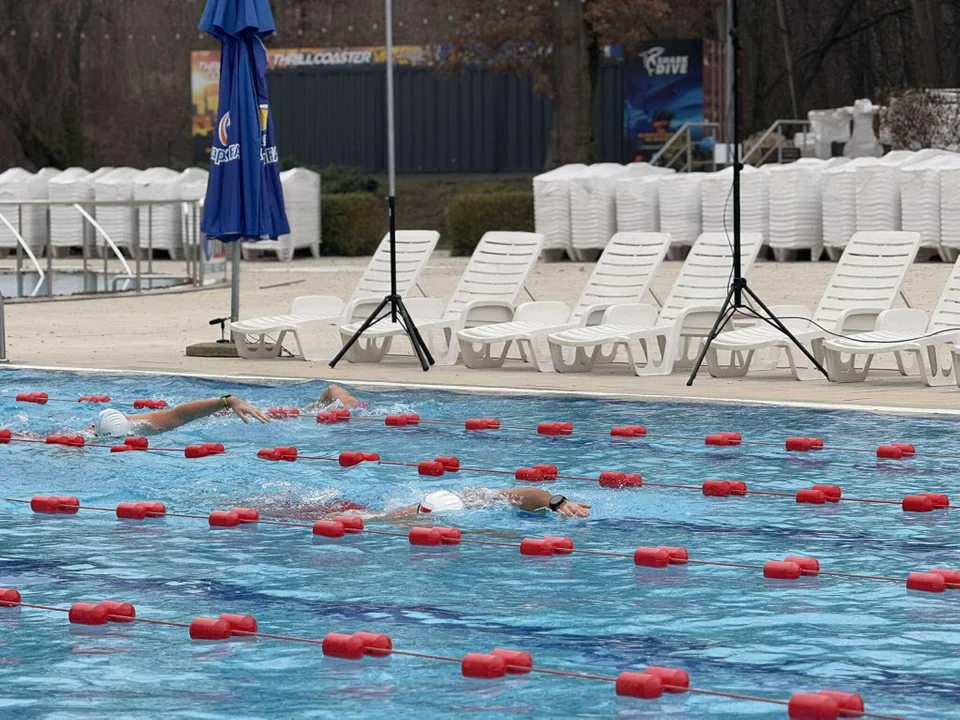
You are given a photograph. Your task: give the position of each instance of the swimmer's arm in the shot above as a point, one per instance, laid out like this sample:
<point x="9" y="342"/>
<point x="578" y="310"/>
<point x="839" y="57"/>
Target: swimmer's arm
<point x="532" y="500"/>
<point x="334" y="393"/>
<point x="162" y="420"/>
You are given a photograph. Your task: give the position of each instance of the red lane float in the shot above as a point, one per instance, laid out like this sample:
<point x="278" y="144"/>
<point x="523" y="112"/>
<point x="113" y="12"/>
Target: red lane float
<point x="529" y="474"/>
<point x="430" y="468"/>
<point x="811" y="496"/>
<point x="723" y="439"/>
<point x="537" y="547"/>
<point x="619" y="480"/>
<point x="401" y="420"/>
<point x="483" y="667"/>
<point x="655" y="557"/>
<point x="38" y="398"/>
<point x="223" y="518"/>
<point x="146" y="404"/>
<point x="328" y="528"/>
<point x="628" y="431"/>
<point x="93" y="399"/>
<point x="131" y="511"/>
<point x="917" y="503"/>
<point x="240" y="623"/>
<point x="433" y="536"/>
<point x="280" y="413"/>
<point x="517" y="662"/>
<point x="482" y="424"/>
<point x="9" y="597"/>
<point x="54" y="504"/>
<point x="926" y="582"/>
<point x="952" y="577"/>
<point x="350" y="458"/>
<point x="555" y="428"/>
<point x="5" y="437"/>
<point x="66" y="440"/>
<point x="831" y="493"/>
<point x="450" y="463"/>
<point x="677" y="555"/>
<point x="204" y="628"/>
<point x="562" y="545"/>
<point x="330" y="417"/>
<point x="351" y="523"/>
<point x="808" y="565"/>
<point x="119" y="612"/>
<point x="803" y="444"/>
<point x="345" y="647"/>
<point x="781" y="570"/>
<point x="675" y="680"/>
<point x="88" y="614"/>
<point x="287" y="454"/>
<point x="549" y="472"/>
<point x="645" y="686"/>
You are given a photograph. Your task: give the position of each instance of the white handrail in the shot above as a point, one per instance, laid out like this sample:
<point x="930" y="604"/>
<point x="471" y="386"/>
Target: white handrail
<point x="30" y="254"/>
<point x="113" y="246"/>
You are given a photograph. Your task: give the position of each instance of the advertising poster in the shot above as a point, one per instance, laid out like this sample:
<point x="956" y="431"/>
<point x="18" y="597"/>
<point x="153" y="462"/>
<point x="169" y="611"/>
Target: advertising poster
<point x="662" y="89"/>
<point x="205" y="76"/>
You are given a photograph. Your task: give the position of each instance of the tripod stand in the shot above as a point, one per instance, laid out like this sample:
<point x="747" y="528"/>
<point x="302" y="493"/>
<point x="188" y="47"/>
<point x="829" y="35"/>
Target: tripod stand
<point x="734" y="303"/>
<point x="392" y="305"/>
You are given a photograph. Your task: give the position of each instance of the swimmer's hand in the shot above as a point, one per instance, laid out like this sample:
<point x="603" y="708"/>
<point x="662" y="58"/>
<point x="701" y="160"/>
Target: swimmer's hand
<point x="574" y="509"/>
<point x="245" y="411"/>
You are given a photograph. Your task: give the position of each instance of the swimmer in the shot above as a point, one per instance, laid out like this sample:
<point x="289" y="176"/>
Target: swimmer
<point x="528" y="499"/>
<point x="113" y="423"/>
<point x="336" y="396"/>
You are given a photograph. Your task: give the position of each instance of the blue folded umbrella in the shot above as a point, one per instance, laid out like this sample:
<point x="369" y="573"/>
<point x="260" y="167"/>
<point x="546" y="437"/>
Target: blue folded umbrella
<point x="244" y="195"/>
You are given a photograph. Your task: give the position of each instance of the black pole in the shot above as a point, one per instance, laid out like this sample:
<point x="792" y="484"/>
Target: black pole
<point x="738" y="284"/>
<point x="398" y="313"/>
<point x="737" y="166"/>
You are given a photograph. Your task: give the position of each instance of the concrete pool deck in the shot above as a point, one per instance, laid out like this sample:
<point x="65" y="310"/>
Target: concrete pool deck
<point x="149" y="333"/>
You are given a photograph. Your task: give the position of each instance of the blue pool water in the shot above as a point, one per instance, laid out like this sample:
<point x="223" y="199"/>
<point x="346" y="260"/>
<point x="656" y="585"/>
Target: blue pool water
<point x="729" y="628"/>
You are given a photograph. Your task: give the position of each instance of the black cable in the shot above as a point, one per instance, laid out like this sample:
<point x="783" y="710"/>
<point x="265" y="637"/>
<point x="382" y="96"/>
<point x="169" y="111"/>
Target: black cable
<point x="749" y="311"/>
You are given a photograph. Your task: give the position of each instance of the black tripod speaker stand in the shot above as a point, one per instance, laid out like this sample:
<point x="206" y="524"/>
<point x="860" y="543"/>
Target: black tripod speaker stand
<point x="392" y="305"/>
<point x="734" y="304"/>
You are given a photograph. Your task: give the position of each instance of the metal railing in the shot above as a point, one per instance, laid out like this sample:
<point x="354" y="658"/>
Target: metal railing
<point x="781" y="141"/>
<point x="197" y="250"/>
<point x="685" y="151"/>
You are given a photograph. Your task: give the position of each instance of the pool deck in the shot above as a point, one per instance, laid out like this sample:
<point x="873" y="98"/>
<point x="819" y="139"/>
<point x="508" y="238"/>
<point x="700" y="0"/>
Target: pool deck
<point x="149" y="334"/>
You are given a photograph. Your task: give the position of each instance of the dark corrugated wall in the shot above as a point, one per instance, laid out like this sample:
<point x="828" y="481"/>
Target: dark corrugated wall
<point x="474" y="122"/>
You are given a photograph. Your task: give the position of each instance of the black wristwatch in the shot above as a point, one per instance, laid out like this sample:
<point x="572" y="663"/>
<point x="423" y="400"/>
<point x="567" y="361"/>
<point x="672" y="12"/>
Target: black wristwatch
<point x="225" y="401"/>
<point x="555" y="502"/>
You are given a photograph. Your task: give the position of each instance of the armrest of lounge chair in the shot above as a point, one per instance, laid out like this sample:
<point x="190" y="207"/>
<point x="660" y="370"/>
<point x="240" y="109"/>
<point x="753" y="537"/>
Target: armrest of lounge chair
<point x="548" y="311"/>
<point x="639" y="315"/>
<point x="593" y="315"/>
<point x="697" y="319"/>
<point x="859" y="319"/>
<point x="425" y="308"/>
<point x="485" y="312"/>
<point x="908" y="320"/>
<point x="360" y="308"/>
<point x="318" y="306"/>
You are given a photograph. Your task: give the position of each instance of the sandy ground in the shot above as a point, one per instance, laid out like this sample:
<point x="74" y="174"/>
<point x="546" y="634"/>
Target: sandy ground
<point x="149" y="333"/>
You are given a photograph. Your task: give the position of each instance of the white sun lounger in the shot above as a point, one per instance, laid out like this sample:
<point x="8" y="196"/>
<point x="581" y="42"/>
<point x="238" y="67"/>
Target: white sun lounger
<point x="622" y="275"/>
<point x="866" y="282"/>
<point x="911" y="335"/>
<point x="260" y="338"/>
<point x="487" y="293"/>
<point x="672" y="338"/>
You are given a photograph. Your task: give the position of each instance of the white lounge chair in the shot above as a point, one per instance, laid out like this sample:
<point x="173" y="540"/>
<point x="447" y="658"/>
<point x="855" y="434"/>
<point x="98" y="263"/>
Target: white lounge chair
<point x="260" y="338"/>
<point x="687" y="316"/>
<point x="866" y="282"/>
<point x="903" y="332"/>
<point x="487" y="293"/>
<point x="623" y="274"/>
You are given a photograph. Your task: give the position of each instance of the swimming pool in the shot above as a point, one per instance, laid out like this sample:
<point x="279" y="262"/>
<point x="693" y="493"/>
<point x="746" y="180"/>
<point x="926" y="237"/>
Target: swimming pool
<point x="728" y="627"/>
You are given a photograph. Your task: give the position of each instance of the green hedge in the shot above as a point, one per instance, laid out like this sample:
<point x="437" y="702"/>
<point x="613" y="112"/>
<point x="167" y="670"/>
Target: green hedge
<point x="470" y="216"/>
<point x="353" y="223"/>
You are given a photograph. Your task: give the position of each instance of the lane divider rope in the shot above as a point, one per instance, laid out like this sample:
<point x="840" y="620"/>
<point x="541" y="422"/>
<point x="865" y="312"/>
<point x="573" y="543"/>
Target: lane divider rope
<point x="936" y="580"/>
<point x="649" y="684"/>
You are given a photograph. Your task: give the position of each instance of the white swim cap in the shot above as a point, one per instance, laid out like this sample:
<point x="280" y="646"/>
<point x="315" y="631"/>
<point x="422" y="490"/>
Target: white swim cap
<point x="114" y="423"/>
<point x="440" y="501"/>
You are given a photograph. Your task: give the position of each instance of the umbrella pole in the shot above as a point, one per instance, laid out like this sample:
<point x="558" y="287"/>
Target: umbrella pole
<point x="392" y="305"/>
<point x="235" y="284"/>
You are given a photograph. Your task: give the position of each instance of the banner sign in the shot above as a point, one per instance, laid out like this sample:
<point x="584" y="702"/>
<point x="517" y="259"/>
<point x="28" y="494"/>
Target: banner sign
<point x="205" y="76"/>
<point x="663" y="88"/>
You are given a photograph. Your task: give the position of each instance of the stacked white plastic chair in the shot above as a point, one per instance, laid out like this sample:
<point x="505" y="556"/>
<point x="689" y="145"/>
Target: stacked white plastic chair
<point x="680" y="211"/>
<point x="838" y="192"/>
<point x="638" y="198"/>
<point x="551" y="208"/>
<point x="716" y="193"/>
<point x="301" y="198"/>
<point x="796" y="207"/>
<point x="878" y="189"/>
<point x="159" y="224"/>
<point x="20" y="184"/>
<point x="67" y="226"/>
<point x="920" y="201"/>
<point x="950" y="209"/>
<point x="119" y="222"/>
<point x="593" y="209"/>
<point x="193" y="188"/>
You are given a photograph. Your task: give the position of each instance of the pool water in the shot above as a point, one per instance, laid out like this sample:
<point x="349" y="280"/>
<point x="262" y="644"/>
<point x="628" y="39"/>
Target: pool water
<point x="728" y="627"/>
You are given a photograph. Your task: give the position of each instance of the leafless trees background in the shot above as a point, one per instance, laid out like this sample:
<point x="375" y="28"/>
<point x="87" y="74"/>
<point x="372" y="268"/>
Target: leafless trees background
<point x="106" y="82"/>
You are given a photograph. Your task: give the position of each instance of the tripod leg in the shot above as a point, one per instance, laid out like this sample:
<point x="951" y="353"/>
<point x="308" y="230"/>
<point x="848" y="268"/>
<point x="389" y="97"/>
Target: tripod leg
<point x="419" y="346"/>
<point x="726" y="312"/>
<point x="776" y="322"/>
<point x="356" y="336"/>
